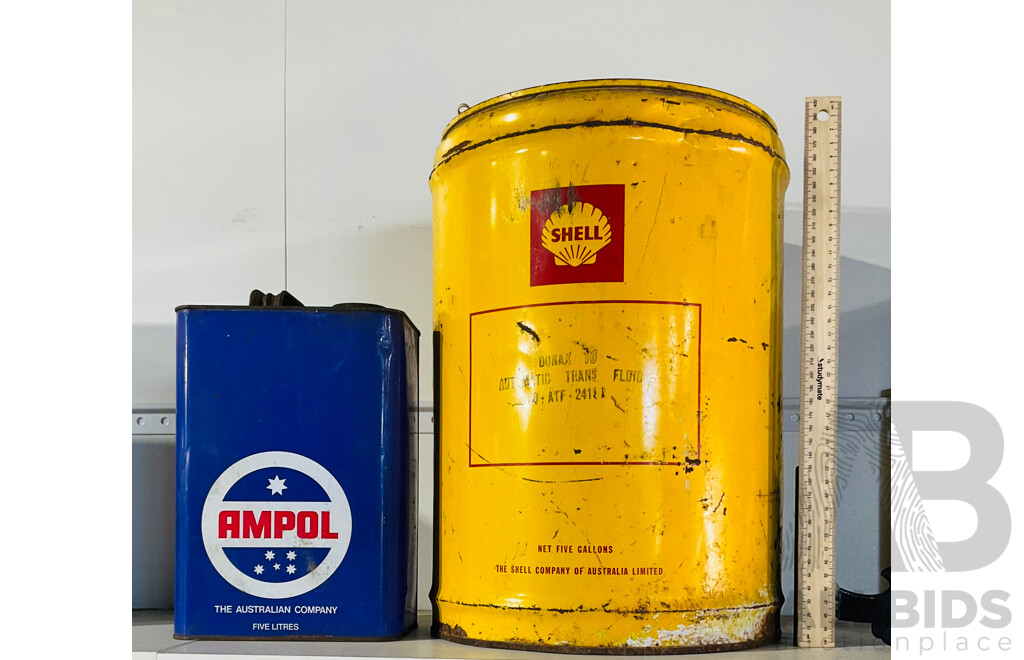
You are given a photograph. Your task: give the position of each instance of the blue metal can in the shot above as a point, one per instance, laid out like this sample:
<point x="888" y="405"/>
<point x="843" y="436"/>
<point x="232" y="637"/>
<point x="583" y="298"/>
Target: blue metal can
<point x="296" y="484"/>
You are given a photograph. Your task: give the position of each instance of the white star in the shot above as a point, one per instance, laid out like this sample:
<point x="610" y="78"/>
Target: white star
<point x="290" y="569"/>
<point x="277" y="567"/>
<point x="258" y="569"/>
<point x="276" y="486"/>
<point x="290" y="555"/>
<point x="269" y="554"/>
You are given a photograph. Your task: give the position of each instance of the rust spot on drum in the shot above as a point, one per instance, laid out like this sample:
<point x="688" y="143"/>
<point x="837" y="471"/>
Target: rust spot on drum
<point x="457" y="148"/>
<point x="528" y="330"/>
<point x="768" y="631"/>
<point x="447" y="632"/>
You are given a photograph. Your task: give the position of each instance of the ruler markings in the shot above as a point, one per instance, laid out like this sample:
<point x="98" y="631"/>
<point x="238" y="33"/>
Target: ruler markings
<point x="819" y="361"/>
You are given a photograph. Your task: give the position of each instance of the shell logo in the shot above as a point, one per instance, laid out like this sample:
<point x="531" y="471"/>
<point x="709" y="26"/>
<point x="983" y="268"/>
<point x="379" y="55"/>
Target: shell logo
<point x="575" y="233"/>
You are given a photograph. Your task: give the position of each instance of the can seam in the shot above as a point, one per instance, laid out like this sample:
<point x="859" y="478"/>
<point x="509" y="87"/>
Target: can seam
<point x="769" y="632"/>
<point x="677" y="89"/>
<point x="463" y="147"/>
<point x="759" y="606"/>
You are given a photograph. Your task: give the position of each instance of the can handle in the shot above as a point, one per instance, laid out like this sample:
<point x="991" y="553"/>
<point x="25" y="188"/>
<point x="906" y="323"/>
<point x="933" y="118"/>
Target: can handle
<point x="284" y="299"/>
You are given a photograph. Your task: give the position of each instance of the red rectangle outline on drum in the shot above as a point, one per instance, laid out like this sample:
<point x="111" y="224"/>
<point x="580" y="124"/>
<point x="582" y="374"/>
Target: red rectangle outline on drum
<point x="700" y="335"/>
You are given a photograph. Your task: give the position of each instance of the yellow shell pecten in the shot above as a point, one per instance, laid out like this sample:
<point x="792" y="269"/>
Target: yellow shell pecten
<point x="575" y="233"/>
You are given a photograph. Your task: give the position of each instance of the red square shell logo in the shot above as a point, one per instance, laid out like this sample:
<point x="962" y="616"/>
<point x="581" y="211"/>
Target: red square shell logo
<point x="576" y="234"/>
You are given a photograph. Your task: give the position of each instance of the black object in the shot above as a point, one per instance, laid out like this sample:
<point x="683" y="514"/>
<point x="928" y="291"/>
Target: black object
<point x="874" y="609"/>
<point x="284" y="299"/>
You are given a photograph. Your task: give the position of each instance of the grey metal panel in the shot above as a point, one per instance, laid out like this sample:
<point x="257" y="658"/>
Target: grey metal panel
<point x="862" y="489"/>
<point x="152" y="520"/>
<point x="153" y="421"/>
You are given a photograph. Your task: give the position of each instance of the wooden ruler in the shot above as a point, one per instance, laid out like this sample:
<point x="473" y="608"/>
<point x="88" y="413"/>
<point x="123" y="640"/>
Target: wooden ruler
<point x="819" y="362"/>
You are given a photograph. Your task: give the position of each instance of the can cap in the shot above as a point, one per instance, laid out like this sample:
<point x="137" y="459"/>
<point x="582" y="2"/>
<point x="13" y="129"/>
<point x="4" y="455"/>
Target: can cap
<point x="284" y="299"/>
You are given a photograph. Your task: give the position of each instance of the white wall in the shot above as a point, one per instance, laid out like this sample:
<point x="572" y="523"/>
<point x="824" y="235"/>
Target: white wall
<point x="362" y="98"/>
<point x="327" y="114"/>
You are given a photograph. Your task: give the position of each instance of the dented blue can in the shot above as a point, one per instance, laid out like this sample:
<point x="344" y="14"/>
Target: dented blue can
<point x="296" y="472"/>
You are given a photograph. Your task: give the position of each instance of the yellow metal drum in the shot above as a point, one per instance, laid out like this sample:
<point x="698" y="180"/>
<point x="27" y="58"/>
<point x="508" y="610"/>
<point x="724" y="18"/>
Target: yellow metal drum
<point x="608" y="262"/>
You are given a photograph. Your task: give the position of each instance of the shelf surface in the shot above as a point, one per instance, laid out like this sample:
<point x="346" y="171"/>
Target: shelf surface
<point x="152" y="638"/>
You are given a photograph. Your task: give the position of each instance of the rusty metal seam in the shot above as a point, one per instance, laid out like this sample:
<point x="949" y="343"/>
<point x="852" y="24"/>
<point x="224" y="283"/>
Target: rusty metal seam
<point x="466" y="146"/>
<point x="515" y="97"/>
<point x="704" y="611"/>
<point x="770" y="632"/>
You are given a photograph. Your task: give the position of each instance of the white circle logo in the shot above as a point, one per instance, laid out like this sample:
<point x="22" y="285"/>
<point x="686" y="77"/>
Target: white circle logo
<point x="276" y="524"/>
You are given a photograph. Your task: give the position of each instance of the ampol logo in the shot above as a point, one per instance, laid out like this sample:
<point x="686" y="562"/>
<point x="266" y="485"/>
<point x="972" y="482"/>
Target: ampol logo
<point x="576" y="234"/>
<point x="276" y="524"/>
